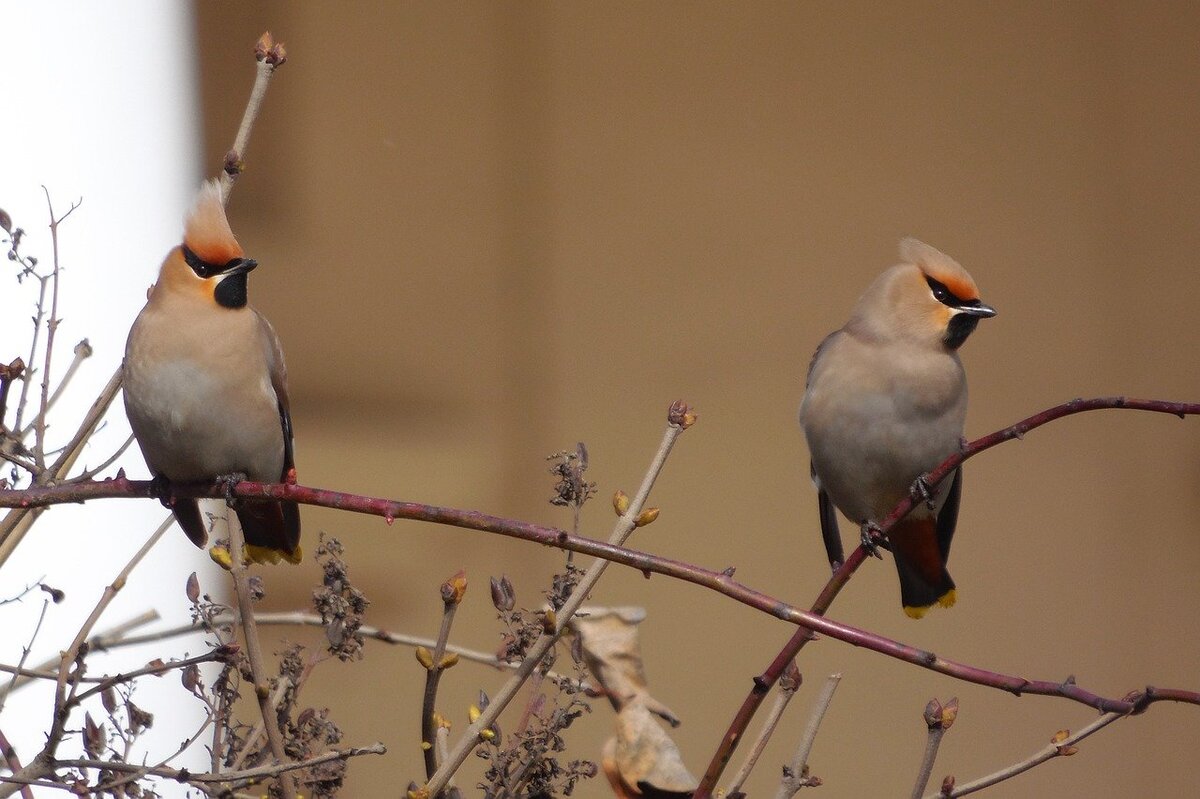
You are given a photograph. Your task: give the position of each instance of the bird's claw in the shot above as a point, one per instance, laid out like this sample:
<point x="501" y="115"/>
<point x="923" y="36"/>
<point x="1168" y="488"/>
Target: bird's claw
<point x="921" y="492"/>
<point x="872" y="537"/>
<point x="228" y="482"/>
<point x="160" y="489"/>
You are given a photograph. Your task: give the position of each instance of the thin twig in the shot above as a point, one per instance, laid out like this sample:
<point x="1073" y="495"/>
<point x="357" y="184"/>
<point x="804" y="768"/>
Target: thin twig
<point x="938" y="719"/>
<point x="788" y="685"/>
<point x="88" y="474"/>
<point x="258" y="670"/>
<point x="17" y="522"/>
<point x="243" y="776"/>
<point x="452" y="593"/>
<point x="25" y="650"/>
<point x="797" y="776"/>
<point x="82" y="351"/>
<point x="269" y="56"/>
<point x="39" y="449"/>
<point x="9" y="753"/>
<point x="44" y="762"/>
<point x="1052" y="750"/>
<point x="679" y="417"/>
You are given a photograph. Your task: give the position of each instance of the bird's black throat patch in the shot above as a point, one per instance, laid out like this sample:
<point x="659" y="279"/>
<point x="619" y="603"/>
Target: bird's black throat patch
<point x="231" y="291"/>
<point x="961" y="325"/>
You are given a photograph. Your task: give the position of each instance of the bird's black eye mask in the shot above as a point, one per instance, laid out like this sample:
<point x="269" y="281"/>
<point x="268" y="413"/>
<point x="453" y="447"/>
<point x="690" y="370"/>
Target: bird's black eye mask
<point x="947" y="297"/>
<point x="230" y="292"/>
<point x="202" y="267"/>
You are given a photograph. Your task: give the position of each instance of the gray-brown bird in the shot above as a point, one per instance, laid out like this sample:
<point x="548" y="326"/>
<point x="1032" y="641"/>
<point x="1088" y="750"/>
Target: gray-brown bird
<point x="205" y="383"/>
<point x="885" y="402"/>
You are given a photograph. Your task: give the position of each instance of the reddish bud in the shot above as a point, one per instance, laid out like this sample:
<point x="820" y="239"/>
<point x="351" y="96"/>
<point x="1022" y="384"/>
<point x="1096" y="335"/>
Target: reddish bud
<point x="681" y="414"/>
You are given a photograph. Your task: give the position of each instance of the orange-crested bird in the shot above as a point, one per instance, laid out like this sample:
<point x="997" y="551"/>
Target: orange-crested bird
<point x="885" y="402"/>
<point x="205" y="383"/>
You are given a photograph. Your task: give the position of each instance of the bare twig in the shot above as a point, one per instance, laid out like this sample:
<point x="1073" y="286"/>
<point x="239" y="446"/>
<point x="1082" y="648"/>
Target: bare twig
<point x="39" y="449"/>
<point x="9" y="753"/>
<point x="88" y="474"/>
<point x="452" y="594"/>
<point x="82" y="351"/>
<point x="796" y="776"/>
<point x="258" y="669"/>
<point x="679" y="418"/>
<point x="18" y="521"/>
<point x="788" y="685"/>
<point x="244" y="776"/>
<point x="1060" y="746"/>
<point x="25" y="650"/>
<point x="938" y="719"/>
<point x="43" y="671"/>
<point x="43" y="763"/>
<point x="270" y="55"/>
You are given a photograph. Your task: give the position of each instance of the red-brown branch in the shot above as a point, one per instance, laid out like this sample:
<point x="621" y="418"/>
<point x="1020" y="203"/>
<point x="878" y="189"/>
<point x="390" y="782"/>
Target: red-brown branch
<point x="809" y="622"/>
<point x="764" y="682"/>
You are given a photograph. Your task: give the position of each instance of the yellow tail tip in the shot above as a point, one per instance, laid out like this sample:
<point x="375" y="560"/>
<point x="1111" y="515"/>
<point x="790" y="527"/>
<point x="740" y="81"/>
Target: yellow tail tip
<point x="946" y="600"/>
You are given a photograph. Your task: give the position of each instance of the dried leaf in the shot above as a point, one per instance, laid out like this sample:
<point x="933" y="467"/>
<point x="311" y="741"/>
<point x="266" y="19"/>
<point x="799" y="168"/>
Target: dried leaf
<point x="609" y="637"/>
<point x="643" y="758"/>
<point x="193" y="588"/>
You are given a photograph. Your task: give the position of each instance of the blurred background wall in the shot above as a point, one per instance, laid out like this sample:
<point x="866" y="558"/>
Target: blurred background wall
<point x="489" y="231"/>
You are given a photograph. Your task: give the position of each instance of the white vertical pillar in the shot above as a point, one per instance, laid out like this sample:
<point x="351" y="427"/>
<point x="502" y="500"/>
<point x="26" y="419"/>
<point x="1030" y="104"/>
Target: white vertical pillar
<point x="100" y="104"/>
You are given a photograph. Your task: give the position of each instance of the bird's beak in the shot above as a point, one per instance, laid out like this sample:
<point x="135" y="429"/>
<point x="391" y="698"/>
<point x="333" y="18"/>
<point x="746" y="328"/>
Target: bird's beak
<point x="240" y="266"/>
<point x="982" y="311"/>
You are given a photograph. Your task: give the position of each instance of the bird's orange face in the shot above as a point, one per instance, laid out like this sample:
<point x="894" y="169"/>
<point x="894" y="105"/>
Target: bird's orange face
<point x="958" y="309"/>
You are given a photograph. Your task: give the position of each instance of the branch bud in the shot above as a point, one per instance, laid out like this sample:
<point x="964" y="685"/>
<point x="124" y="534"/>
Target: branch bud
<point x="948" y="785"/>
<point x="503" y="596"/>
<point x="620" y="502"/>
<point x="681" y="414"/>
<point x="449" y="660"/>
<point x="424" y="657"/>
<point x="473" y="713"/>
<point x="646" y="517"/>
<point x="263" y="46"/>
<point x="454" y="588"/>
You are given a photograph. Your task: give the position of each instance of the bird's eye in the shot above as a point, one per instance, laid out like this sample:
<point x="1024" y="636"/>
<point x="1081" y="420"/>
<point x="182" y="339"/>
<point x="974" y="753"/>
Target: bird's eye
<point x="941" y="293"/>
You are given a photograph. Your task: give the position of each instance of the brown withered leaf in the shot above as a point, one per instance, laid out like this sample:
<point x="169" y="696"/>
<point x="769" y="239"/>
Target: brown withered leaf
<point x="642" y="760"/>
<point x="611" y="651"/>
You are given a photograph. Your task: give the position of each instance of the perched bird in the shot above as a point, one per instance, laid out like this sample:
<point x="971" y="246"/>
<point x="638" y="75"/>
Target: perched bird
<point x="205" y="383"/>
<point x="885" y="402"/>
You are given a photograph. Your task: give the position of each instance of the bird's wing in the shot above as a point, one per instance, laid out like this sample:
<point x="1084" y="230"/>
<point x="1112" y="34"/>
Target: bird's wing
<point x="830" y="533"/>
<point x="817" y="354"/>
<point x="947" y="518"/>
<point x="278" y="371"/>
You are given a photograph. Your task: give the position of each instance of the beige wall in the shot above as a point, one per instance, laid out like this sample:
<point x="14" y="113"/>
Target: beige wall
<point x="491" y="230"/>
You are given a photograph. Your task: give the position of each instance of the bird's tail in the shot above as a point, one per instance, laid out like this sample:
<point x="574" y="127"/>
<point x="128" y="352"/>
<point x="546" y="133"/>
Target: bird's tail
<point x="187" y="513"/>
<point x="272" y="531"/>
<point x="921" y="564"/>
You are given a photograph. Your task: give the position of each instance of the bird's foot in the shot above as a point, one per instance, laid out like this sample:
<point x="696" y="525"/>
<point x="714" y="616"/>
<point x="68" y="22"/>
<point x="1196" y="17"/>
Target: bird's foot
<point x="228" y="482"/>
<point x="921" y="492"/>
<point x="160" y="489"/>
<point x="872" y="538"/>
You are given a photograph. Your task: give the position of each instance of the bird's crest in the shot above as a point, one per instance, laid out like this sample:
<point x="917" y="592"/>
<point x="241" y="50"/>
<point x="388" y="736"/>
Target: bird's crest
<point x="941" y="267"/>
<point x="206" y="231"/>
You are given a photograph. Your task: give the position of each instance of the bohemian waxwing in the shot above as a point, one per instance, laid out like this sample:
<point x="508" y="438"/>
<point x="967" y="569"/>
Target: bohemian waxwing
<point x="885" y="402"/>
<point x="206" y="386"/>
